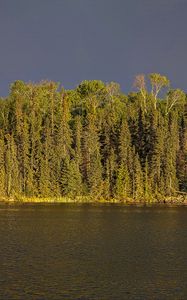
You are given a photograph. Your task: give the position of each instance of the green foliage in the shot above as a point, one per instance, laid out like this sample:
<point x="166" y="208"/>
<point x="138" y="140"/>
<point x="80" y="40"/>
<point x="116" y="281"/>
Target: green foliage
<point x="93" y="141"/>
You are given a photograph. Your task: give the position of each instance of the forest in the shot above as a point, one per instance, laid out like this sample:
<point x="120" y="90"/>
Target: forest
<point x="94" y="142"/>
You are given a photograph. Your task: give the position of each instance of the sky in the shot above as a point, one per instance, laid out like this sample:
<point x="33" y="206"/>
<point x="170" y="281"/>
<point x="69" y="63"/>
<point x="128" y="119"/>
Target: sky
<point x="111" y="40"/>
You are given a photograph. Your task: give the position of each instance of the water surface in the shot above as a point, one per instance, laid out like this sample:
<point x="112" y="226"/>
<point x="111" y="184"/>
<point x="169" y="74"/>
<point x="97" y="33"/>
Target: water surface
<point x="93" y="252"/>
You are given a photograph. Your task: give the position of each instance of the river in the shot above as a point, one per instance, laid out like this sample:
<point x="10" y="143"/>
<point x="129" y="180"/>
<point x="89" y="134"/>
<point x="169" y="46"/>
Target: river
<point x="93" y="252"/>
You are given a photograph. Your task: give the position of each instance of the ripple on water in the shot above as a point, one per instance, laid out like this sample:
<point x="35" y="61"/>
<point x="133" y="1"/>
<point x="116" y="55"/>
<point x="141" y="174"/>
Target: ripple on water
<point x="69" y="252"/>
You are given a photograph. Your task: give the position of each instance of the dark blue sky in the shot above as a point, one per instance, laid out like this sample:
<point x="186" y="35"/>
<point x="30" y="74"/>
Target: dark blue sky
<point x="72" y="40"/>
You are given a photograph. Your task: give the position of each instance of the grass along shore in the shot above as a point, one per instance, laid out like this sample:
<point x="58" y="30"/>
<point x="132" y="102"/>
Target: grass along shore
<point x="175" y="200"/>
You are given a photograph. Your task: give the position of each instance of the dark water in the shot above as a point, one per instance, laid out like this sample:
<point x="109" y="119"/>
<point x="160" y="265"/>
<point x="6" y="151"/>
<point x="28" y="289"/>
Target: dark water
<point x="85" y="252"/>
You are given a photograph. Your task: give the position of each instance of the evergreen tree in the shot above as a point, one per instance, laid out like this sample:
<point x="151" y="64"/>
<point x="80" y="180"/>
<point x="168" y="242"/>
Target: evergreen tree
<point x="2" y="166"/>
<point x="94" y="141"/>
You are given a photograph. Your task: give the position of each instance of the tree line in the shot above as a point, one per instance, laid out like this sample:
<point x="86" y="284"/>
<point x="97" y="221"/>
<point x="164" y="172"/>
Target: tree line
<point x="94" y="141"/>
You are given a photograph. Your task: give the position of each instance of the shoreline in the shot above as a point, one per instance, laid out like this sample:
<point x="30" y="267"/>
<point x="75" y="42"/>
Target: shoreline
<point x="170" y="201"/>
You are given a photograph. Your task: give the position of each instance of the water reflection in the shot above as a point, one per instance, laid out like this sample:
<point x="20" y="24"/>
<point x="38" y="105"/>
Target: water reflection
<point x="90" y="252"/>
